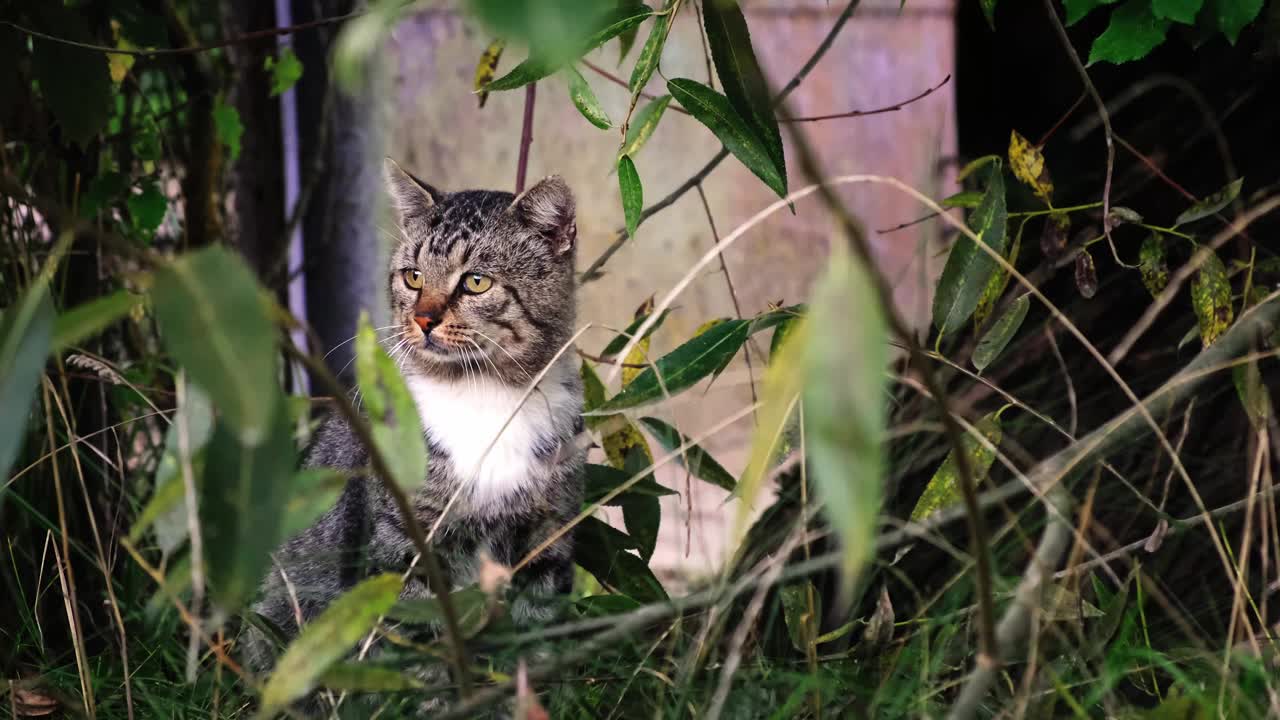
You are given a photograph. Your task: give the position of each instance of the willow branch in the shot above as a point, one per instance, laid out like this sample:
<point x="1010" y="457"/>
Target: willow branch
<point x="620" y="236"/>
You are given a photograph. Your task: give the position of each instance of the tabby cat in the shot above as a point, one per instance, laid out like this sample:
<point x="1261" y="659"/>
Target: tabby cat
<point x="482" y="285"/>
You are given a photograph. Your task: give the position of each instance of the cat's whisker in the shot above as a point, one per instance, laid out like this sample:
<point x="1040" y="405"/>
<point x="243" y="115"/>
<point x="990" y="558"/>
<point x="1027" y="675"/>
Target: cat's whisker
<point x="353" y="337"/>
<point x="496" y="372"/>
<point x="498" y="345"/>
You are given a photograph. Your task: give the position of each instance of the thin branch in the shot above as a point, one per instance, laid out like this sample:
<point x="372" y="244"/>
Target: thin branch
<point x="733" y="295"/>
<point x="526" y="135"/>
<point x="620" y="236"/>
<point x="159" y="52"/>
<point x="862" y="113"/>
<point x="1062" y="119"/>
<point x="623" y="83"/>
<point x="1155" y="169"/>
<point x="1106" y="124"/>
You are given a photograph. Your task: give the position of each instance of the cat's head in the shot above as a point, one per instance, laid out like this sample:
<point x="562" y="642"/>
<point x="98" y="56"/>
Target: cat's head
<point x="481" y="281"/>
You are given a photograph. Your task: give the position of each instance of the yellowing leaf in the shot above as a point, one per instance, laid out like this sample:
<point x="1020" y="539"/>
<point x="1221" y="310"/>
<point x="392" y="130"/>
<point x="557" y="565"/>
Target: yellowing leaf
<point x="487" y="66"/>
<point x="1152" y="264"/>
<point x="996" y="285"/>
<point x="617" y="444"/>
<point x="943" y="489"/>
<point x="1211" y="299"/>
<point x="783" y="381"/>
<point x="635" y="362"/>
<point x="1027" y="163"/>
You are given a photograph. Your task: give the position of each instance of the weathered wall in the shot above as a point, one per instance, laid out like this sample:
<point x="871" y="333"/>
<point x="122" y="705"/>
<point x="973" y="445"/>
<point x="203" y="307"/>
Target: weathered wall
<point x="882" y="57"/>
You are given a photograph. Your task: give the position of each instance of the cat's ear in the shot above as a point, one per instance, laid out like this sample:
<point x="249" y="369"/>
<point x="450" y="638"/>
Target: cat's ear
<point x="548" y="208"/>
<point x="409" y="195"/>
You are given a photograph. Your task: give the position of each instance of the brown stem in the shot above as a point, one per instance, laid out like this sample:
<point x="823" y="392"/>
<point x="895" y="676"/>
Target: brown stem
<point x="192" y="48"/>
<point x="861" y="113"/>
<point x="526" y="135"/>
<point x="619" y="81"/>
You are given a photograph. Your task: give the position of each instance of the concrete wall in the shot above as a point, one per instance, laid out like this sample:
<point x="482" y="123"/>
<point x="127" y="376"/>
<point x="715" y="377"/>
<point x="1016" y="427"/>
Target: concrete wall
<point x="883" y="56"/>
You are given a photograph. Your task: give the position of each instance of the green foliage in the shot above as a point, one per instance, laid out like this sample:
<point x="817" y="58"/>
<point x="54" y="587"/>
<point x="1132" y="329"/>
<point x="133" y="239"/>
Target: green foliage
<point x="326" y="639"/>
<point x="26" y="330"/>
<point x="968" y="268"/>
<point x="1139" y="26"/>
<point x="226" y="120"/>
<point x="1211" y="204"/>
<point x="845" y="408"/>
<point x="643" y="123"/>
<point x="1001" y="332"/>
<point x="584" y="98"/>
<point x="214" y="321"/>
<point x="242" y="494"/>
<point x="651" y="51"/>
<point x="393" y="415"/>
<point x="556" y="39"/>
<point x="286" y="70"/>
<point x="632" y="193"/>
<point x="80" y="100"/>
<point x="719" y="116"/>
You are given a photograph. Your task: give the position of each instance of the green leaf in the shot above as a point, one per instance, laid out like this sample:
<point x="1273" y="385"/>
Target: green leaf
<point x="698" y="358"/>
<point x="844" y="408"/>
<point x="795" y="612"/>
<point x="964" y="199"/>
<point x="650" y="52"/>
<point x="164" y="510"/>
<point x="977" y="164"/>
<point x="363" y="677"/>
<point x="26" y="329"/>
<point x="1211" y="204"/>
<point x="393" y="415"/>
<point x="997" y="338"/>
<point x="989" y="12"/>
<point x="242" y="499"/>
<point x="1211" y="299"/>
<point x="1077" y="9"/>
<point x="584" y="98"/>
<point x="1233" y="15"/>
<point x="740" y="75"/>
<point x="601" y="480"/>
<point x="699" y="462"/>
<point x="602" y="551"/>
<point x="285" y="70"/>
<point x="605" y="605"/>
<point x="994" y="290"/>
<point x="75" y="82"/>
<point x="593" y="393"/>
<point x="632" y="193"/>
<point x="538" y="66"/>
<point x="943" y="489"/>
<point x="619" y="342"/>
<point x="1153" y="264"/>
<point x="214" y="321"/>
<point x="88" y="319"/>
<point x="740" y="138"/>
<point x="968" y="268"/>
<point x="1253" y="393"/>
<point x="643" y="123"/>
<point x="326" y="639"/>
<point x="1182" y="11"/>
<point x="104" y="190"/>
<point x="148" y="208"/>
<point x="1133" y="33"/>
<point x="227" y="125"/>
<point x="313" y="492"/>
<point x="641" y="513"/>
<point x="469" y="603"/>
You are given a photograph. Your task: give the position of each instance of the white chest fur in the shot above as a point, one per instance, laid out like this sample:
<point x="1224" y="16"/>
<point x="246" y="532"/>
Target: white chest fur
<point x="489" y="435"/>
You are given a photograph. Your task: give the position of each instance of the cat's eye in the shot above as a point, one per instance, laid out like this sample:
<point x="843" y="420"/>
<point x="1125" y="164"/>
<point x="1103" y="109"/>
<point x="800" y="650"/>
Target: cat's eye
<point x="476" y="284"/>
<point x="413" y="279"/>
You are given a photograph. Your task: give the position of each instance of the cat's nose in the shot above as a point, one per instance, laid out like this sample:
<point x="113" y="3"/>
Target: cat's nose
<point x="425" y="320"/>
